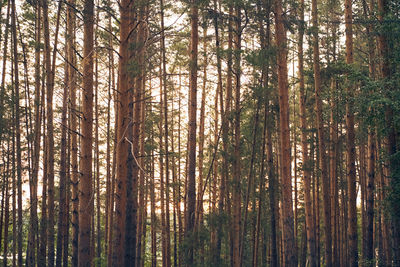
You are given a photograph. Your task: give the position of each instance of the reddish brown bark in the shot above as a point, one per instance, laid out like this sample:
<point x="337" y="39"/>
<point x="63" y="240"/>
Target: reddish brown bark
<point x="86" y="180"/>
<point x="192" y="114"/>
<point x="290" y="255"/>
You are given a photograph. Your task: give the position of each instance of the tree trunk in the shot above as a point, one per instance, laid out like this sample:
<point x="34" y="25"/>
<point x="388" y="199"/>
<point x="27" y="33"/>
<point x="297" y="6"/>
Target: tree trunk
<point x="391" y="142"/>
<point x="122" y="144"/>
<point x="371" y="159"/>
<point x="86" y="184"/>
<point x="321" y="141"/>
<point x="224" y="122"/>
<point x="236" y="194"/>
<point x="33" y="230"/>
<point x="140" y="113"/>
<point x="192" y="114"/>
<point x="351" y="153"/>
<point x="6" y="206"/>
<point x="17" y="129"/>
<point x="199" y="206"/>
<point x="50" y="132"/>
<point x="61" y="227"/>
<point x="306" y="164"/>
<point x="166" y="136"/>
<point x="287" y="202"/>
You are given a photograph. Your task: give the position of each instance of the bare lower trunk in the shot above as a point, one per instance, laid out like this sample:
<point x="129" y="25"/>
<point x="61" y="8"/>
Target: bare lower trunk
<point x="86" y="184"/>
<point x="192" y="114"/>
<point x="290" y="254"/>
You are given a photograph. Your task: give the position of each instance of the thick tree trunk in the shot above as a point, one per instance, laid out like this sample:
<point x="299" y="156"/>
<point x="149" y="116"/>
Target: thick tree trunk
<point x="122" y="145"/>
<point x="391" y="142"/>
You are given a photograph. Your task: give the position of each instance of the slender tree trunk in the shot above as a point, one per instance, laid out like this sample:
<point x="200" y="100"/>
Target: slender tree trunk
<point x="321" y="142"/>
<point x="140" y="113"/>
<point x="213" y="234"/>
<point x="43" y="219"/>
<point x="192" y="114"/>
<point x="67" y="204"/>
<point x="333" y="159"/>
<point x="17" y="130"/>
<point x="85" y="185"/>
<point x="49" y="68"/>
<point x="74" y="134"/>
<point x="162" y="181"/>
<point x="31" y="257"/>
<point x="61" y="231"/>
<point x="306" y="166"/>
<point x="153" y="210"/>
<point x="180" y="222"/>
<point x="265" y="42"/>
<point x="97" y="160"/>
<point x="287" y="202"/>
<point x="108" y="148"/>
<point x="199" y="206"/>
<point x="351" y="169"/>
<point x="6" y="207"/>
<point x="166" y="144"/>
<point x="176" y="205"/>
<point x="4" y="63"/>
<point x="113" y="167"/>
<point x="3" y="193"/>
<point x="371" y="158"/>
<point x="224" y="122"/>
<point x="143" y="192"/>
<point x="236" y="194"/>
<point x="273" y="197"/>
